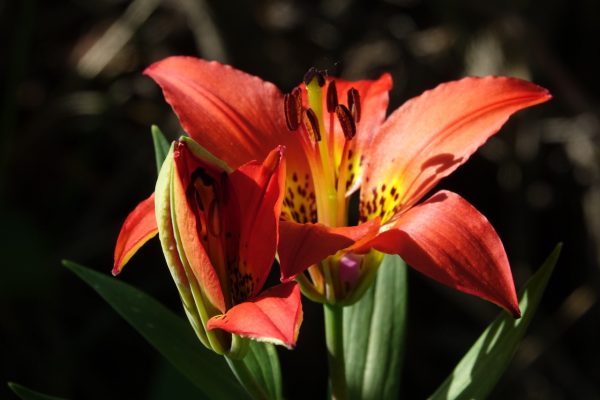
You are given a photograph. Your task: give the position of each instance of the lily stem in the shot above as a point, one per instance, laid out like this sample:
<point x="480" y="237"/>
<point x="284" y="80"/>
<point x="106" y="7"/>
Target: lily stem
<point x="246" y="378"/>
<point x="334" y="337"/>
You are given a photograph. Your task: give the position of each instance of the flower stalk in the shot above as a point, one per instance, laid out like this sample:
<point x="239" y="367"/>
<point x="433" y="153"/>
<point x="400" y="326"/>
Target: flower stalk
<point x="334" y="337"/>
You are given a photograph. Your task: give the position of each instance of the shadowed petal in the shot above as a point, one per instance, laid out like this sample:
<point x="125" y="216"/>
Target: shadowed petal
<point x="138" y="228"/>
<point x="303" y="245"/>
<point x="274" y="316"/>
<point x="433" y="134"/>
<point x="259" y="191"/>
<point x="447" y="239"/>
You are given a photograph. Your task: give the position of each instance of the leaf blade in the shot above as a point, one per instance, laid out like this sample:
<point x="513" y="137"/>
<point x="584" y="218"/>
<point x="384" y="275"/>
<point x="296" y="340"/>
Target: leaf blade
<point x="161" y="146"/>
<point x="29" y="394"/>
<point x="166" y="332"/>
<point x="481" y="367"/>
<point x="374" y="356"/>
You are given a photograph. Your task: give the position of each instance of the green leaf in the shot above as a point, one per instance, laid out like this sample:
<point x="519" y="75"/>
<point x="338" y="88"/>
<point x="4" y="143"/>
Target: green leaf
<point x="161" y="146"/>
<point x="167" y="332"/>
<point x="477" y="373"/>
<point x="259" y="371"/>
<point x="28" y="394"/>
<point x="374" y="335"/>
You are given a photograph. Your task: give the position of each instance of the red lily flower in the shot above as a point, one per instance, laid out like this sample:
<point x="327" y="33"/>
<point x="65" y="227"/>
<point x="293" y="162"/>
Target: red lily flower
<point x="337" y="147"/>
<point x="219" y="233"/>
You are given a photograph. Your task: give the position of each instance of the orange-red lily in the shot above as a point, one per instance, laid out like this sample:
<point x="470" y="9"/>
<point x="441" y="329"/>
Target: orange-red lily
<point x="219" y="233"/>
<point x="338" y="141"/>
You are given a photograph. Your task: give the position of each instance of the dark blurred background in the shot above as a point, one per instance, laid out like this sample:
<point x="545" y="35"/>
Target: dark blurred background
<point x="76" y="156"/>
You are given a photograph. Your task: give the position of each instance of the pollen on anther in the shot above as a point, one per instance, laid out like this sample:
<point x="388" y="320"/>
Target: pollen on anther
<point x="354" y="103"/>
<point x="346" y="121"/>
<point x="332" y="97"/>
<point x="292" y="109"/>
<point x="311" y="124"/>
<point x="313" y="73"/>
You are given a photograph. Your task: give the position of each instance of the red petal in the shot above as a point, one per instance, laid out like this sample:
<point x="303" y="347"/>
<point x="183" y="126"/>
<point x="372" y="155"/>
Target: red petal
<point x="431" y="135"/>
<point x="138" y="228"/>
<point x="447" y="239"/>
<point x="274" y="316"/>
<point x="259" y="191"/>
<point x="303" y="245"/>
<point x="234" y="115"/>
<point x="186" y="228"/>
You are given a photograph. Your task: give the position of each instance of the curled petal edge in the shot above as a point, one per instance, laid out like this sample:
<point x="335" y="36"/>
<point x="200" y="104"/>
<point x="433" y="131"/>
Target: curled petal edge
<point x="139" y="227"/>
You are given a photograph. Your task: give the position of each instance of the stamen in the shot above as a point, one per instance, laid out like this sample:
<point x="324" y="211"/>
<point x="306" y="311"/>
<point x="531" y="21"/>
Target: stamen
<point x="213" y="218"/>
<point x="311" y="124"/>
<point x="354" y="103"/>
<point x="292" y="105"/>
<point x="332" y="97"/>
<point x="346" y="121"/>
<point x="313" y="73"/>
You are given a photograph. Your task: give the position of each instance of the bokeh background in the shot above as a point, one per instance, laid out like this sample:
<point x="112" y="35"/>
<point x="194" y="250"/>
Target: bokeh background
<point x="76" y="156"/>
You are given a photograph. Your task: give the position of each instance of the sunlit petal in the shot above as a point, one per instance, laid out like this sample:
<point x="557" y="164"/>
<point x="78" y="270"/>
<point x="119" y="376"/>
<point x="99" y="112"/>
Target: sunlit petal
<point x="447" y="239"/>
<point x="431" y="135"/>
<point x="274" y="316"/>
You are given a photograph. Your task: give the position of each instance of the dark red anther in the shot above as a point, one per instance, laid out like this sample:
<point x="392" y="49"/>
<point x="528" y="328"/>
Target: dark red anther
<point x="311" y="123"/>
<point x="292" y="104"/>
<point x="346" y="121"/>
<point x="354" y="103"/>
<point x="332" y="98"/>
<point x="313" y="73"/>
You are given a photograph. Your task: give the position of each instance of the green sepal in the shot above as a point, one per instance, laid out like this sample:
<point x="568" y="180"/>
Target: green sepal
<point x="205" y="155"/>
<point x="481" y="367"/>
<point x="161" y="146"/>
<point x="28" y="394"/>
<point x="259" y="371"/>
<point x="167" y="332"/>
<point x="374" y="330"/>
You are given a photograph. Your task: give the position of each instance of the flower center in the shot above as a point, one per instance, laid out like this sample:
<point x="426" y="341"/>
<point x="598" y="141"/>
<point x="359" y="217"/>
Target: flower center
<point x="311" y="109"/>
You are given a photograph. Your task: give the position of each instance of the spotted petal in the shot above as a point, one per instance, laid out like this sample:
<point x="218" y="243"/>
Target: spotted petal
<point x="431" y="135"/>
<point x="274" y="316"/>
<point x="447" y="239"/>
<point x="138" y="228"/>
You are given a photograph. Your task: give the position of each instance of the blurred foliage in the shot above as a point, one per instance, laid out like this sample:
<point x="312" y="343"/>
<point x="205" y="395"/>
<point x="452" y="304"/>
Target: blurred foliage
<point x="76" y="155"/>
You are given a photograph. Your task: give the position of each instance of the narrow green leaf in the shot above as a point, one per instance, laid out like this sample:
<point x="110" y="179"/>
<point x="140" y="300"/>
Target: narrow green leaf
<point x="259" y="371"/>
<point x="161" y="146"/>
<point x="167" y="332"/>
<point x="374" y="335"/>
<point x="28" y="394"/>
<point x="477" y="373"/>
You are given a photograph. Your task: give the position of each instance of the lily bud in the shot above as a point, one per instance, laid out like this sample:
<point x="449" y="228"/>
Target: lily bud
<point x="219" y="230"/>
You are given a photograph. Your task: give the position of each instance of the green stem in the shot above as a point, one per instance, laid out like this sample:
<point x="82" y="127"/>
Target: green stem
<point x="246" y="378"/>
<point x="334" y="336"/>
